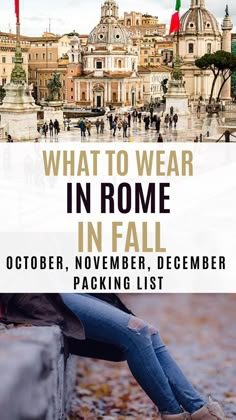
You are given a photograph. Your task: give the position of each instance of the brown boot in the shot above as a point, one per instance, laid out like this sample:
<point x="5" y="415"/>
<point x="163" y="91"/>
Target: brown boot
<point x="181" y="416"/>
<point x="211" y="411"/>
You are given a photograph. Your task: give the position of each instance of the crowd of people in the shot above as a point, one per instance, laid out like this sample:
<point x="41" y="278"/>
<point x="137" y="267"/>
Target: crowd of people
<point x="52" y="128"/>
<point x="116" y="124"/>
<point x="121" y="124"/>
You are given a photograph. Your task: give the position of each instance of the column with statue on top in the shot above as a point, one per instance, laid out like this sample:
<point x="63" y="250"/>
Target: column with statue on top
<point x="176" y="96"/>
<point x="19" y="111"/>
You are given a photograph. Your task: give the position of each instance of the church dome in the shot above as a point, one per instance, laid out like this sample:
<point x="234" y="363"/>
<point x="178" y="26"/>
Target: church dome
<point x="199" y="20"/>
<point x="109" y="33"/>
<point x="109" y="30"/>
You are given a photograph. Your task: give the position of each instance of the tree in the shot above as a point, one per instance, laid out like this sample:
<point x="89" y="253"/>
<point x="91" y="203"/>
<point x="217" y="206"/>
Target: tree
<point x="2" y="93"/>
<point x="221" y="63"/>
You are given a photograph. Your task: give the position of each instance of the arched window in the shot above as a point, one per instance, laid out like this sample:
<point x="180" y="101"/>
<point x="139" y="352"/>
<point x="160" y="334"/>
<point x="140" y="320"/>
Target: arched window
<point x="128" y="22"/>
<point x="208" y="48"/>
<point x="190" y="48"/>
<point x="72" y="58"/>
<point x="119" y="64"/>
<point x="137" y="22"/>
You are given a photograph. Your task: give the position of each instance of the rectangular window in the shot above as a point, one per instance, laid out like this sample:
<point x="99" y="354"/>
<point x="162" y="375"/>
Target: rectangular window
<point x="4" y="81"/>
<point x="72" y="89"/>
<point x="13" y="60"/>
<point x="4" y="60"/>
<point x="98" y="65"/>
<point x="50" y="56"/>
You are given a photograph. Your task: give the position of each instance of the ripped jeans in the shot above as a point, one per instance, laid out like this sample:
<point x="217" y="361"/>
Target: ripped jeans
<point x="114" y="335"/>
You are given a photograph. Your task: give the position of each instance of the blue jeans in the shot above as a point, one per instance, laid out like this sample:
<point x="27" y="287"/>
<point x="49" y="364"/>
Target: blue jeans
<point x="116" y="335"/>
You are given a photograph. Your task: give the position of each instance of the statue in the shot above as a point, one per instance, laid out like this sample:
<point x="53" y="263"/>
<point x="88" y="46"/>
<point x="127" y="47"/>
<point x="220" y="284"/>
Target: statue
<point x="54" y="86"/>
<point x="177" y="72"/>
<point x="18" y="74"/>
<point x="227" y="11"/>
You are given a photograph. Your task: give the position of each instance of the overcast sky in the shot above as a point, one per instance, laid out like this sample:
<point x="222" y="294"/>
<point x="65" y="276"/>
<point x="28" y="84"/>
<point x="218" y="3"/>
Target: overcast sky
<point x="83" y="15"/>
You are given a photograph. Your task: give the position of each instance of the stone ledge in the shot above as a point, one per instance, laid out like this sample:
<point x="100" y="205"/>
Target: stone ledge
<point x="36" y="384"/>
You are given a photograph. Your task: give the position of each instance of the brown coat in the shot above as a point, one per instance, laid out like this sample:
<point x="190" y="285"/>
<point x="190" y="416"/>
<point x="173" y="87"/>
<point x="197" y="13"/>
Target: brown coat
<point x="48" y="309"/>
<point x="40" y="310"/>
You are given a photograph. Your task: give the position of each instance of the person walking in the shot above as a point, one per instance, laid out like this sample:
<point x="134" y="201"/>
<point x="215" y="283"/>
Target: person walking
<point x="147" y="123"/>
<point x="171" y="111"/>
<point x="175" y="119"/>
<point x="102" y="327"/>
<point x="199" y="106"/>
<point x="97" y="124"/>
<point x="119" y="125"/>
<point x="51" y="126"/>
<point x="166" y="120"/>
<point x="129" y="119"/>
<point x="158" y="123"/>
<point x="114" y="127"/>
<point x="170" y="121"/>
<point x="88" y="127"/>
<point x="102" y="126"/>
<point x="135" y="115"/>
<point x="151" y="111"/>
<point x="56" y="128"/>
<point x="45" y="130"/>
<point x="125" y="128"/>
<point x="140" y="117"/>
<point x="82" y="127"/>
<point x="110" y="118"/>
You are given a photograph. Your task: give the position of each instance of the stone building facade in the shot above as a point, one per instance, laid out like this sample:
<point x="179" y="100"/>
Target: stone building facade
<point x="152" y="80"/>
<point x="7" y="56"/>
<point x="109" y="65"/>
<point x="200" y="34"/>
<point x="140" y="25"/>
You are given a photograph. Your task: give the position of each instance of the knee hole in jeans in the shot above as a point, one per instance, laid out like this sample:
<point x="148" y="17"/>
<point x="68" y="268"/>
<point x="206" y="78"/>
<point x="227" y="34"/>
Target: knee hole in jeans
<point x="137" y="324"/>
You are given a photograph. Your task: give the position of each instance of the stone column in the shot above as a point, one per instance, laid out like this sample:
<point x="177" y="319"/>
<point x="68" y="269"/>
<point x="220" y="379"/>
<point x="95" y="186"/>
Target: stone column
<point x="118" y="91"/>
<point x="78" y="90"/>
<point x="91" y="92"/>
<point x="87" y="94"/>
<point x="124" y="92"/>
<point x="109" y="91"/>
<point x="227" y="27"/>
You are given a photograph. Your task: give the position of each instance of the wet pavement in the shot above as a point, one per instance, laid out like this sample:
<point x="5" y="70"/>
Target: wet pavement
<point x="188" y="128"/>
<point x="200" y="333"/>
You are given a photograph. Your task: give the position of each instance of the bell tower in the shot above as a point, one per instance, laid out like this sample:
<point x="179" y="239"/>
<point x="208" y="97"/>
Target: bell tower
<point x="110" y="10"/>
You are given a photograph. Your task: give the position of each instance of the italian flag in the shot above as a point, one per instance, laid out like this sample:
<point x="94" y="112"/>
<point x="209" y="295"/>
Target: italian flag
<point x="17" y="10"/>
<point x="175" y="20"/>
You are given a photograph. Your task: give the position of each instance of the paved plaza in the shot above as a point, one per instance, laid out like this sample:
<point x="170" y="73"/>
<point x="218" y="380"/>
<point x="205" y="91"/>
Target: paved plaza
<point x="188" y="128"/>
